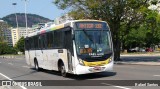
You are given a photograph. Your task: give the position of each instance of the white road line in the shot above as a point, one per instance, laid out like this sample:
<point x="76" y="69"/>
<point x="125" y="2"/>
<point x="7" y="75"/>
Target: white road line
<point x="156" y="75"/>
<point x="11" y="80"/>
<point x="121" y="87"/>
<point x="116" y="86"/>
<point x="10" y="63"/>
<point x="26" y="66"/>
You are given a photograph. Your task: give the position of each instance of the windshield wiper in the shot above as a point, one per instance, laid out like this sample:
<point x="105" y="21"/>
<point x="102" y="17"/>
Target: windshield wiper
<point x="90" y="39"/>
<point x="87" y="35"/>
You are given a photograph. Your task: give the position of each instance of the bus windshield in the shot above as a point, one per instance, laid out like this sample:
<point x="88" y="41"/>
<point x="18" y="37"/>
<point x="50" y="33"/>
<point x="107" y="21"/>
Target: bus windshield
<point x="94" y="43"/>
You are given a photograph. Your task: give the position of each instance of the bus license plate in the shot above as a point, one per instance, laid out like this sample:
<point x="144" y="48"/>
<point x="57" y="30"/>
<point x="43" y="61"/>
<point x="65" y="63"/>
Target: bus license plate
<point x="97" y="68"/>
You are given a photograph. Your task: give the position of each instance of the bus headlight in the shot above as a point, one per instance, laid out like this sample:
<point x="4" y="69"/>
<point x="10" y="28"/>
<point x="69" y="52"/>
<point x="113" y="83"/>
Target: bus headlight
<point x="109" y="60"/>
<point x="81" y="62"/>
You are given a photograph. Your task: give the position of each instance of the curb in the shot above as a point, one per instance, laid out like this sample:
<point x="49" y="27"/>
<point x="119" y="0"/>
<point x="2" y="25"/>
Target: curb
<point x="139" y="63"/>
<point x="139" y="55"/>
<point x="148" y="54"/>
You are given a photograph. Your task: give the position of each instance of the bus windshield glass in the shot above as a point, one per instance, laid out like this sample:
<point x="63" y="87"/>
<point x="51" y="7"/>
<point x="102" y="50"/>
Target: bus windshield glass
<point x="92" y="41"/>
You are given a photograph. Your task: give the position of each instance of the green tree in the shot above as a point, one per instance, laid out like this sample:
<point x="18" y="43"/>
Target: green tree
<point x="20" y="45"/>
<point x="153" y="25"/>
<point x="3" y="45"/>
<point x="145" y="33"/>
<point x="113" y="11"/>
<point x="5" y="49"/>
<point x="136" y="37"/>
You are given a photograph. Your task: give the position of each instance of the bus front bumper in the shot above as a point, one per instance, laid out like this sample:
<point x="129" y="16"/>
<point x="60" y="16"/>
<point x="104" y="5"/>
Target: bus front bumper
<point x="86" y="69"/>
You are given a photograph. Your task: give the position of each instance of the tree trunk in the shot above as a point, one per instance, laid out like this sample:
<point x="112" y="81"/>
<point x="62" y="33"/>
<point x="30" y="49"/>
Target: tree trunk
<point x="117" y="51"/>
<point x="116" y="41"/>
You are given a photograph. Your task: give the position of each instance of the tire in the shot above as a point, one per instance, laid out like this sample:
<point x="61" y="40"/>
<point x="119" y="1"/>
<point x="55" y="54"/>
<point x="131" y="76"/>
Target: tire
<point x="36" y="66"/>
<point x="62" y="70"/>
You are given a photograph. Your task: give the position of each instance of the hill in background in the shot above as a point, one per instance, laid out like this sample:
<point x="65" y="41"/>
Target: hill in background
<point x="31" y="19"/>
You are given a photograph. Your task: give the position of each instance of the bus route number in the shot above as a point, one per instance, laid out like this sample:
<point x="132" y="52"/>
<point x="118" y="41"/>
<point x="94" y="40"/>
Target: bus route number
<point x="89" y="25"/>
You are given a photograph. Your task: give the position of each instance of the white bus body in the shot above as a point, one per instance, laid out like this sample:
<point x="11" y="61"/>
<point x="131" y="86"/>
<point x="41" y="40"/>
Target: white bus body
<point x="60" y="48"/>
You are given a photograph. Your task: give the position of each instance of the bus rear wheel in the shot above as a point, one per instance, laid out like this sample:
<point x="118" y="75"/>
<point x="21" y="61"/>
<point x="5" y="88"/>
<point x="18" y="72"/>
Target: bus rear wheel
<point x="62" y="70"/>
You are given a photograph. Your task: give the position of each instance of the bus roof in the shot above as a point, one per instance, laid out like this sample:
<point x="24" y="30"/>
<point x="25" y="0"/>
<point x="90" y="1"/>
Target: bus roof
<point x="56" y="27"/>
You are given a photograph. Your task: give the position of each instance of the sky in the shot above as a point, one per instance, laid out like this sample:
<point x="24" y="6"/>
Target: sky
<point x="43" y="8"/>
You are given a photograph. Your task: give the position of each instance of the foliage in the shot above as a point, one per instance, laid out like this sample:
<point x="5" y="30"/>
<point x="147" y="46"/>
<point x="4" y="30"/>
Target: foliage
<point x="118" y="13"/>
<point x="153" y="25"/>
<point x="135" y="38"/>
<point x="5" y="49"/>
<point x="154" y="2"/>
<point x="20" y="45"/>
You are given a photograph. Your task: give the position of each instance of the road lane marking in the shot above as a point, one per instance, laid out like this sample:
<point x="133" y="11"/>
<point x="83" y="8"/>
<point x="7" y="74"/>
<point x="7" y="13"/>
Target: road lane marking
<point x="11" y="80"/>
<point x="121" y="87"/>
<point x="156" y="75"/>
<point x="116" y="86"/>
<point x="10" y="63"/>
<point x="26" y="66"/>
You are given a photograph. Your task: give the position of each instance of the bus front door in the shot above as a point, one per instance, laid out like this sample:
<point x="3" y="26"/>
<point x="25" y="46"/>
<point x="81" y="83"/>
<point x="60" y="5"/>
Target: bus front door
<point x="69" y="47"/>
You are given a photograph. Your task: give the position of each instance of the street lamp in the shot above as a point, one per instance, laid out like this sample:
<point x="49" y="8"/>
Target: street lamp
<point x="14" y="4"/>
<point x="25" y="4"/>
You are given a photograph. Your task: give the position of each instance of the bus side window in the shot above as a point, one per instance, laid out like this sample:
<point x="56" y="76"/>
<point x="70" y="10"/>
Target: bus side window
<point x="39" y="42"/>
<point x="43" y="41"/>
<point x="49" y="40"/>
<point x="36" y="42"/>
<point x="29" y="43"/>
<point x="58" y="39"/>
<point x="32" y="43"/>
<point x="26" y="44"/>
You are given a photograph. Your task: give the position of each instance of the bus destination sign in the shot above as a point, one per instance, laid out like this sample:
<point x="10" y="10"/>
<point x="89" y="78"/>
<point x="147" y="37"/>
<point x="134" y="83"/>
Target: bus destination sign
<point x="91" y="25"/>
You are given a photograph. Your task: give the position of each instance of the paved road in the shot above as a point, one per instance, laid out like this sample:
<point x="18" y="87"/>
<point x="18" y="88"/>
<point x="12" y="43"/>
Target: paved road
<point x="17" y="69"/>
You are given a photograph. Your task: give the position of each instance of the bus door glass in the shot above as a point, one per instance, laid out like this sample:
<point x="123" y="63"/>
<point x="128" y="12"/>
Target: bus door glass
<point x="69" y="47"/>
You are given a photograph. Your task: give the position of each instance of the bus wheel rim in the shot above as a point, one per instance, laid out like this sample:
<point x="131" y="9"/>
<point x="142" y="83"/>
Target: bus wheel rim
<point x="63" y="71"/>
<point x="36" y="66"/>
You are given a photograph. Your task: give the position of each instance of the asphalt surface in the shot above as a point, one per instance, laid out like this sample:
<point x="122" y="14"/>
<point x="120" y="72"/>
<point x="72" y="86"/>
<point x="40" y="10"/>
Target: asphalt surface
<point x="17" y="69"/>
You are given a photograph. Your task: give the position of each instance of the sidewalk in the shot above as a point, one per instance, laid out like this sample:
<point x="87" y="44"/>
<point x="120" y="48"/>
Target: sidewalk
<point x="138" y="63"/>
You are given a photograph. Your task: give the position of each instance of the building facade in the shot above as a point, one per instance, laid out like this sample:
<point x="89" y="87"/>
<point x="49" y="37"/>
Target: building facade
<point x="5" y="33"/>
<point x="17" y="33"/>
<point x="8" y="36"/>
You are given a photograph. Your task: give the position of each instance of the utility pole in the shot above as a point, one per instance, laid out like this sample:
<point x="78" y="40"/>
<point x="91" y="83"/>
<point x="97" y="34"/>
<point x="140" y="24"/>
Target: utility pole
<point x="25" y="4"/>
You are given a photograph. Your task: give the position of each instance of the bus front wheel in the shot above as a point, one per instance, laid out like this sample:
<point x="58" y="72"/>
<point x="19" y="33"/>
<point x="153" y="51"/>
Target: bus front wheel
<point x="62" y="70"/>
